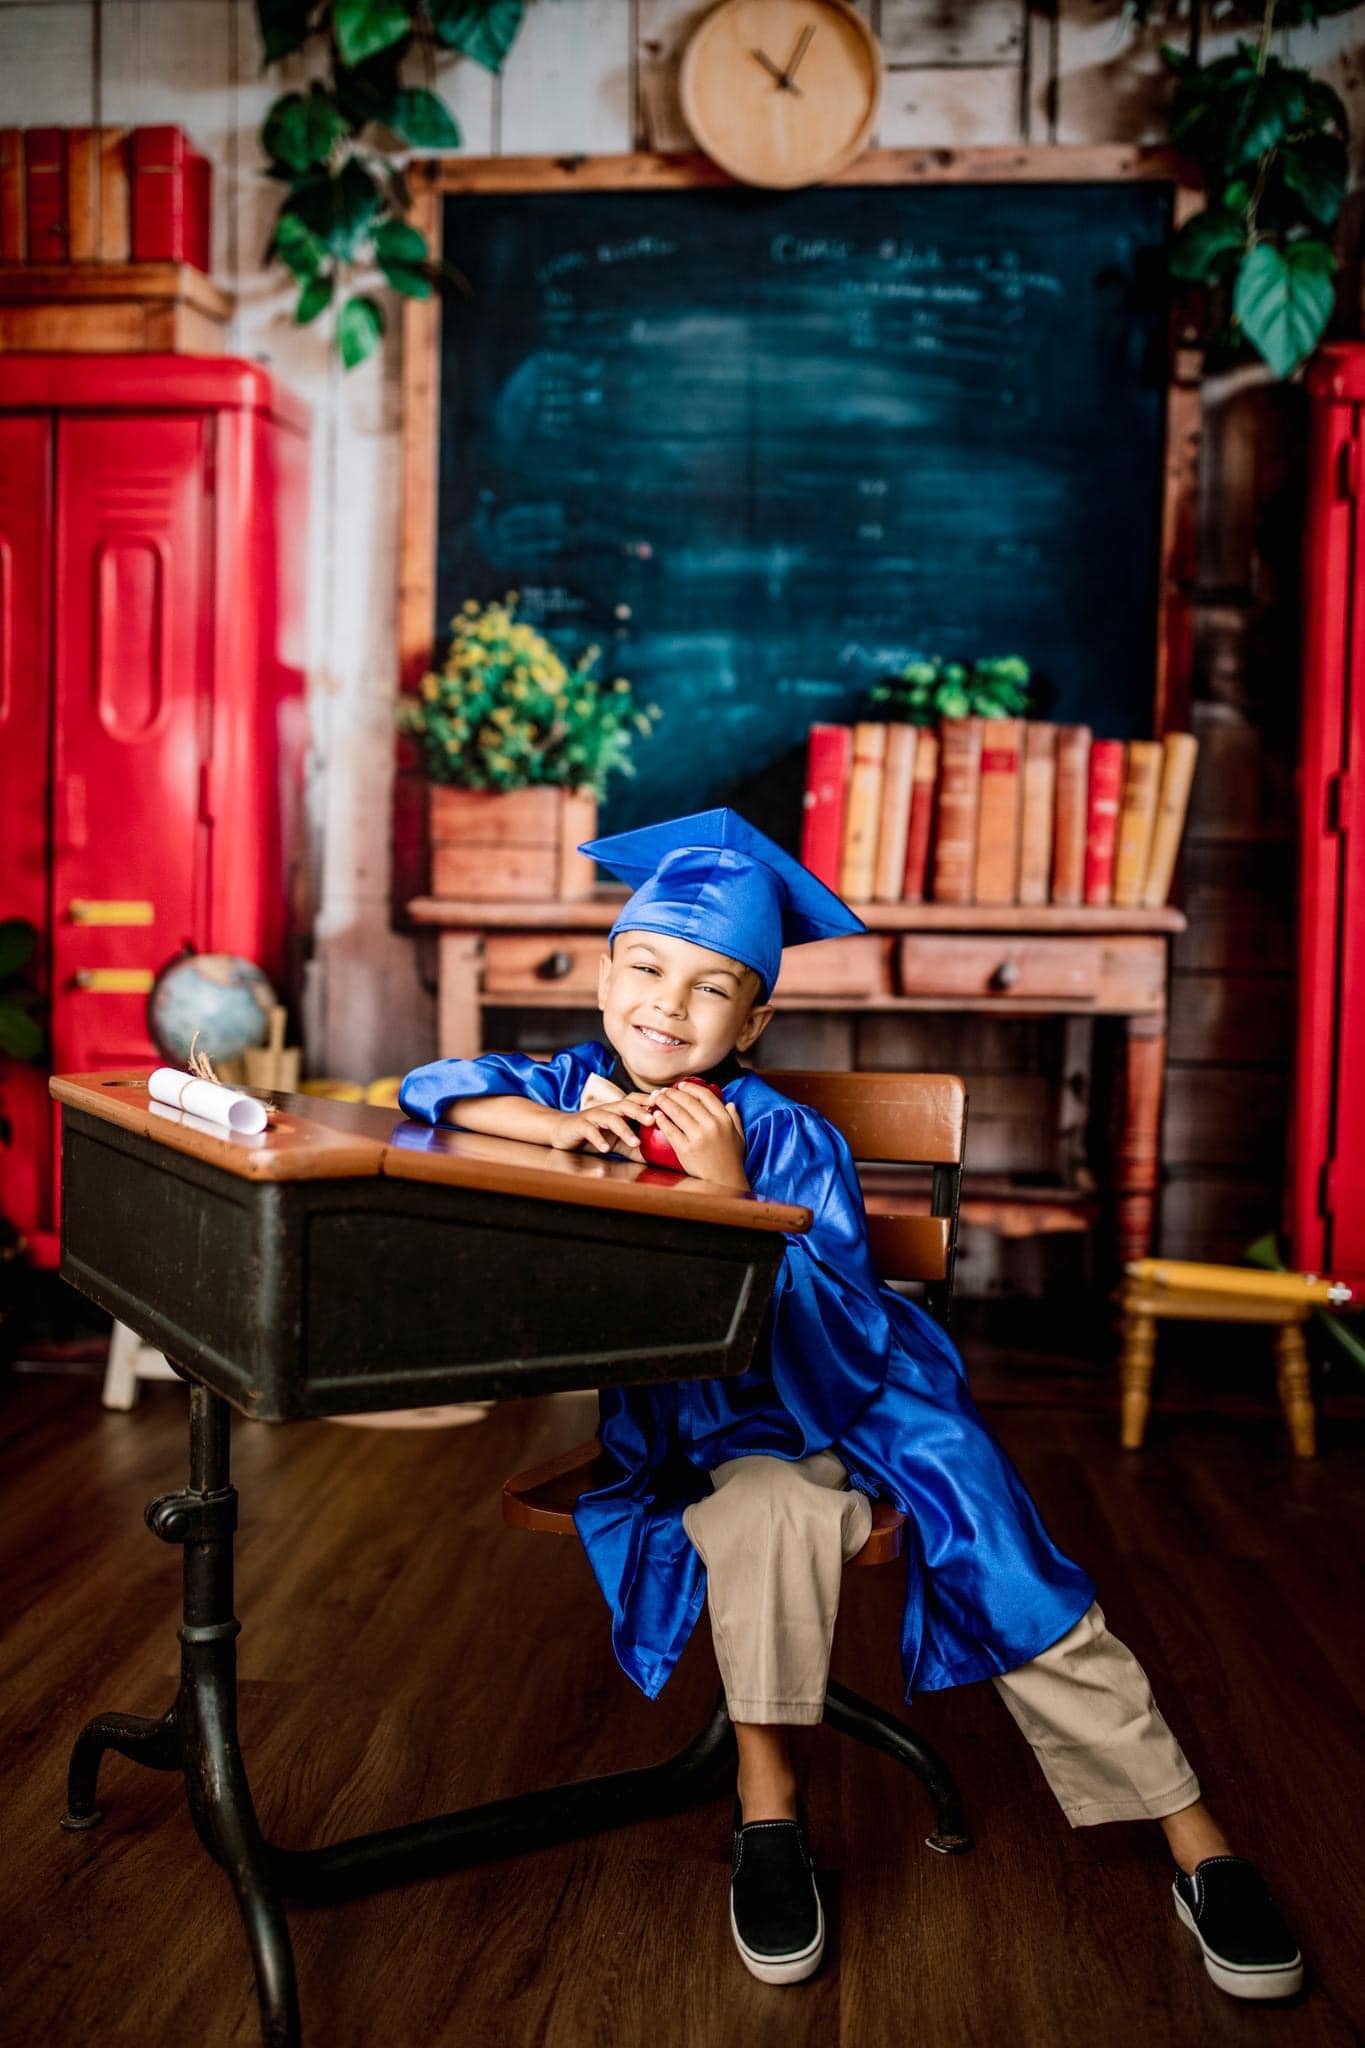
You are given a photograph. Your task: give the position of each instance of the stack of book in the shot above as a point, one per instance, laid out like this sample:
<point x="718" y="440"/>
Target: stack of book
<point x="997" y="811"/>
<point x="103" y="195"/>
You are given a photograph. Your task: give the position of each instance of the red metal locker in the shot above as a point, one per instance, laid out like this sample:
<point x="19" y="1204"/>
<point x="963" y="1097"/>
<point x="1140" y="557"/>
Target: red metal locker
<point x="153" y="518"/>
<point x="1326" y="1200"/>
<point x="25" y="724"/>
<point x="132" y="703"/>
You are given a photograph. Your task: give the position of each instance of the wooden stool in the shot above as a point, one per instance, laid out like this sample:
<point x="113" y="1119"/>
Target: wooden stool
<point x="1229" y="1294"/>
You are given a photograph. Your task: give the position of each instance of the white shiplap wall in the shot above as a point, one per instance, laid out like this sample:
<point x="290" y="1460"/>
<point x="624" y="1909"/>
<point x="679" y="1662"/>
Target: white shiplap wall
<point x="586" y="75"/>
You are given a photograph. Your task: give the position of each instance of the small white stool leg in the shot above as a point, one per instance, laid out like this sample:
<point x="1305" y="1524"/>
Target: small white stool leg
<point x="120" y="1374"/>
<point x="130" y="1360"/>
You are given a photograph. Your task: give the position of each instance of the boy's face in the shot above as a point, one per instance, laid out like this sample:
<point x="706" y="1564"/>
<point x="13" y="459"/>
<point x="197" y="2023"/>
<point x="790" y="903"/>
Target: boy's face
<point x="671" y="1008"/>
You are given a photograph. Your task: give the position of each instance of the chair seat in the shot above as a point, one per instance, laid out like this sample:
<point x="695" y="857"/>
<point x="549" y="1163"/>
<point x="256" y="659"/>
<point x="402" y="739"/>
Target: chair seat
<point x="541" y="1500"/>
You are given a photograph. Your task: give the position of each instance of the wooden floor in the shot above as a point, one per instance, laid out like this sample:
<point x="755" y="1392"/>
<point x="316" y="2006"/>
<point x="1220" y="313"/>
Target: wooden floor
<point x="402" y="1654"/>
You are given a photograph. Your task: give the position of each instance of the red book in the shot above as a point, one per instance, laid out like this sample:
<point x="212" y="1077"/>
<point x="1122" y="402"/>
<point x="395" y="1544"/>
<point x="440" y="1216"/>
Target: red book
<point x="12" y="223"/>
<point x="171" y="199"/>
<point x="45" y="171"/>
<point x="829" y="759"/>
<point x="1102" y="819"/>
<point x="921" y="817"/>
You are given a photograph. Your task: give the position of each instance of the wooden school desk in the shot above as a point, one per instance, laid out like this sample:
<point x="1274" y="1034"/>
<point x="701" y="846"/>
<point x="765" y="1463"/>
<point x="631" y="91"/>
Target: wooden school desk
<point x="1011" y="961"/>
<point x="339" y="1263"/>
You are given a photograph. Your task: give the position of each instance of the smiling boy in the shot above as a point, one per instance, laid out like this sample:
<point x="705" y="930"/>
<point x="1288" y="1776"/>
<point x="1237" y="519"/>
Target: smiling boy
<point x="751" y="1493"/>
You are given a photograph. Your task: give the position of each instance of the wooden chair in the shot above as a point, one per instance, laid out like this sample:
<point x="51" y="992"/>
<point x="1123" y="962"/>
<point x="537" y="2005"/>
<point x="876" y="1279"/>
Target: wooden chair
<point x="901" y="1119"/>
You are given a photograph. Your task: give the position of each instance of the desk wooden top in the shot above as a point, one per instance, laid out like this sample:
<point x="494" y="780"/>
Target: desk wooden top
<point x="599" y="911"/>
<point x="313" y="1138"/>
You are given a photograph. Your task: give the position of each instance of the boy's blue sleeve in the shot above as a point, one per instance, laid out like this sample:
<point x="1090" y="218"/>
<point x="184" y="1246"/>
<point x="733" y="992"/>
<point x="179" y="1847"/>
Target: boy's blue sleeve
<point x="829" y="1328"/>
<point x="427" y="1092"/>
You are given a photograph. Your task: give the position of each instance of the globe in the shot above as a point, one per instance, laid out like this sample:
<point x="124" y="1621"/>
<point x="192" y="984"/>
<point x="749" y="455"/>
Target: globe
<point x="226" y="1000"/>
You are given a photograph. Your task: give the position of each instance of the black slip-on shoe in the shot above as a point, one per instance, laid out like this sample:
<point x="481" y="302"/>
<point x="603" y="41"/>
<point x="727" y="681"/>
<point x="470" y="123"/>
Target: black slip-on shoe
<point x="1248" y="1950"/>
<point x="775" y="1912"/>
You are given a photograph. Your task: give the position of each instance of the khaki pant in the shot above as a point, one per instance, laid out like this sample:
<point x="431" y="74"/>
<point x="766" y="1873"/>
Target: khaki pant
<point x="775" y="1535"/>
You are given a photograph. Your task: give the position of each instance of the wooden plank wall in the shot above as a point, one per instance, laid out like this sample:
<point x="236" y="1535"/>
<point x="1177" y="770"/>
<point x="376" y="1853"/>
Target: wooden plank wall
<point x="600" y="76"/>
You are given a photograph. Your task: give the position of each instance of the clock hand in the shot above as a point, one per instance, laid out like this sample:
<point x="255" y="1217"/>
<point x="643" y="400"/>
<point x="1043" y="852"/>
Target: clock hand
<point x="781" y="76"/>
<point x="807" y="37"/>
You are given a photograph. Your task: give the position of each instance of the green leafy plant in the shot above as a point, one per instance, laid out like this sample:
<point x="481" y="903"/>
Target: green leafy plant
<point x="21" y="1032"/>
<point x="999" y="686"/>
<point x="1266" y="1252"/>
<point x="342" y="217"/>
<point x="505" y="711"/>
<point x="1271" y="141"/>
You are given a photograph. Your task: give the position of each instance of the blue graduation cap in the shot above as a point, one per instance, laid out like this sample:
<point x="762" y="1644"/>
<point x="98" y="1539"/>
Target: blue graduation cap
<point x="717" y="880"/>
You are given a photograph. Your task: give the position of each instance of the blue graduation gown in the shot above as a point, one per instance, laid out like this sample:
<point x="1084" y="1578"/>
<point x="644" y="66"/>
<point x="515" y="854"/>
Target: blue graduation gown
<point x="844" y="1364"/>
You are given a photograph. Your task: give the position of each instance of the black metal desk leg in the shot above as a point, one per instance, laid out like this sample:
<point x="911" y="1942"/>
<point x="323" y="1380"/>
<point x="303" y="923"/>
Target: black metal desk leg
<point x="199" y="1732"/>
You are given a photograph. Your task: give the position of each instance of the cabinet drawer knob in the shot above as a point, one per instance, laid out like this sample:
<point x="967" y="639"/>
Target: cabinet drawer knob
<point x="1005" y="975"/>
<point x="554" y="967"/>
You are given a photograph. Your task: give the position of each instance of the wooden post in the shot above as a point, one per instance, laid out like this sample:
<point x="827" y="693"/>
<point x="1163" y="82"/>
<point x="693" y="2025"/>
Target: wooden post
<point x="1138" y="1152"/>
<point x="459" y="1031"/>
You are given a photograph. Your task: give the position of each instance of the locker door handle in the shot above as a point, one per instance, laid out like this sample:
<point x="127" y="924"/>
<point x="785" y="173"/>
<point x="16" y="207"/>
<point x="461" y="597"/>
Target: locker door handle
<point x="77" y="825"/>
<point x="114" y="981"/>
<point x="90" y="910"/>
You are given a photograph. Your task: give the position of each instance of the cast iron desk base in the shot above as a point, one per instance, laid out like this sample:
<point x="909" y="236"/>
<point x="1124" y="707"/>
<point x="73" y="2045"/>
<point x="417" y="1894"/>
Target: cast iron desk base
<point x="198" y="1735"/>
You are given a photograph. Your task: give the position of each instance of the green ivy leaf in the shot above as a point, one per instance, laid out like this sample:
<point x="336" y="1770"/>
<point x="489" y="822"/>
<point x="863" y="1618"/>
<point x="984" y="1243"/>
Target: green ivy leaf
<point x="297" y="247"/>
<point x="396" y="242"/>
<point x="953" y="702"/>
<point x="315" y="296"/>
<point x="360" y="325"/>
<point x="1325" y="107"/>
<point x="1272" y="106"/>
<point x="20" y="1036"/>
<point x="283" y="25"/>
<point x="18" y="943"/>
<point x="363" y="26"/>
<point x="1204" y="243"/>
<point x="401" y="252"/>
<point x="366" y="91"/>
<point x="301" y="132"/>
<point x="1283" y="299"/>
<point x="422" y="119"/>
<point x="339" y="210"/>
<point x="1315" y="168"/>
<point x="482" y="29"/>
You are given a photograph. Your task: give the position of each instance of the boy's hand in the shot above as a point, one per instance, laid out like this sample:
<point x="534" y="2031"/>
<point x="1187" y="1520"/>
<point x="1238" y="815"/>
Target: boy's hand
<point x="705" y="1132"/>
<point x="603" y="1127"/>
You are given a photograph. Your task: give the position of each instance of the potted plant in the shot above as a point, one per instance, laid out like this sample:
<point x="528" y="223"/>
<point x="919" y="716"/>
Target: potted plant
<point x="517" y="745"/>
<point x="928" y="690"/>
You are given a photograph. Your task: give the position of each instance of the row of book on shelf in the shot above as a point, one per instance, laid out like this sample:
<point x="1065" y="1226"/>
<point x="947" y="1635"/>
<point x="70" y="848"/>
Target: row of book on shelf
<point x="103" y="195"/>
<point x="997" y="811"/>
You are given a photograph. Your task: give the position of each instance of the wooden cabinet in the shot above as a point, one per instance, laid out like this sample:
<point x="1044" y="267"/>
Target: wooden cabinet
<point x="152" y="727"/>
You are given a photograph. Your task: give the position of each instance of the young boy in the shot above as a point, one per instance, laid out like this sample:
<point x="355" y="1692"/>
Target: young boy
<point x="752" y="1492"/>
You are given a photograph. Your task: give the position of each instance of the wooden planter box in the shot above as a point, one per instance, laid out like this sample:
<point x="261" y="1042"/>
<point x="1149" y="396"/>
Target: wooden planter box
<point x="520" y="847"/>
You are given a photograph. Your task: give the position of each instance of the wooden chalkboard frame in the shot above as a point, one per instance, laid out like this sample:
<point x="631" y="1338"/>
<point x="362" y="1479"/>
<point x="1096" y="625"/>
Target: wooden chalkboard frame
<point x="646" y="172"/>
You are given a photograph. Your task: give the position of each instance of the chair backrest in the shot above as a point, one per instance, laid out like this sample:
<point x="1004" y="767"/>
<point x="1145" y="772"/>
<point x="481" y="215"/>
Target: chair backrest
<point x="904" y="1120"/>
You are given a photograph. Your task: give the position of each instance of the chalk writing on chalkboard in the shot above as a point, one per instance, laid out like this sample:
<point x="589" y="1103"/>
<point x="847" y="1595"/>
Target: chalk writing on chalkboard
<point x="765" y="448"/>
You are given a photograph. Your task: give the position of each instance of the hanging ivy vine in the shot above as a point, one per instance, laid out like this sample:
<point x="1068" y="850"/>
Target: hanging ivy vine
<point x="1271" y="141"/>
<point x="343" y="215"/>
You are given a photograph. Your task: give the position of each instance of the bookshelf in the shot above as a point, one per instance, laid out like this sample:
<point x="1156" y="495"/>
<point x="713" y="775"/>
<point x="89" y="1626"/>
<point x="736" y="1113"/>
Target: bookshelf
<point x="1011" y="960"/>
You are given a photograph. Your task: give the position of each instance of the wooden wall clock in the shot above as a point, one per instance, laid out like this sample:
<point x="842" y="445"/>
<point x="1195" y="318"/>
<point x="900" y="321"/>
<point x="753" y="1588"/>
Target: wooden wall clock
<point x="782" y="92"/>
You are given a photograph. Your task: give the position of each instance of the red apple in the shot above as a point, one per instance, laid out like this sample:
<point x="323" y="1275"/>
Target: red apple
<point x="655" y="1146"/>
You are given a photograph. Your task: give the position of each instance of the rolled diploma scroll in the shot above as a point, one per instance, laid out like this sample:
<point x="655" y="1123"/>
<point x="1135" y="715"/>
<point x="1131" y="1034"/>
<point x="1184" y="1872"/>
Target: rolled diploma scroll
<point x="216" y="1104"/>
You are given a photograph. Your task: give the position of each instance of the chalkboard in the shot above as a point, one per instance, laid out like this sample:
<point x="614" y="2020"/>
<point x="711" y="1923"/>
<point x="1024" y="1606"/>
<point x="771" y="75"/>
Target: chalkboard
<point x="766" y="448"/>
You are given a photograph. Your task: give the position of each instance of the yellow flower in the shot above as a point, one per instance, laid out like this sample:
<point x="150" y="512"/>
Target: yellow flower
<point x="431" y="689"/>
<point x="471" y="604"/>
<point x="620" y="686"/>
